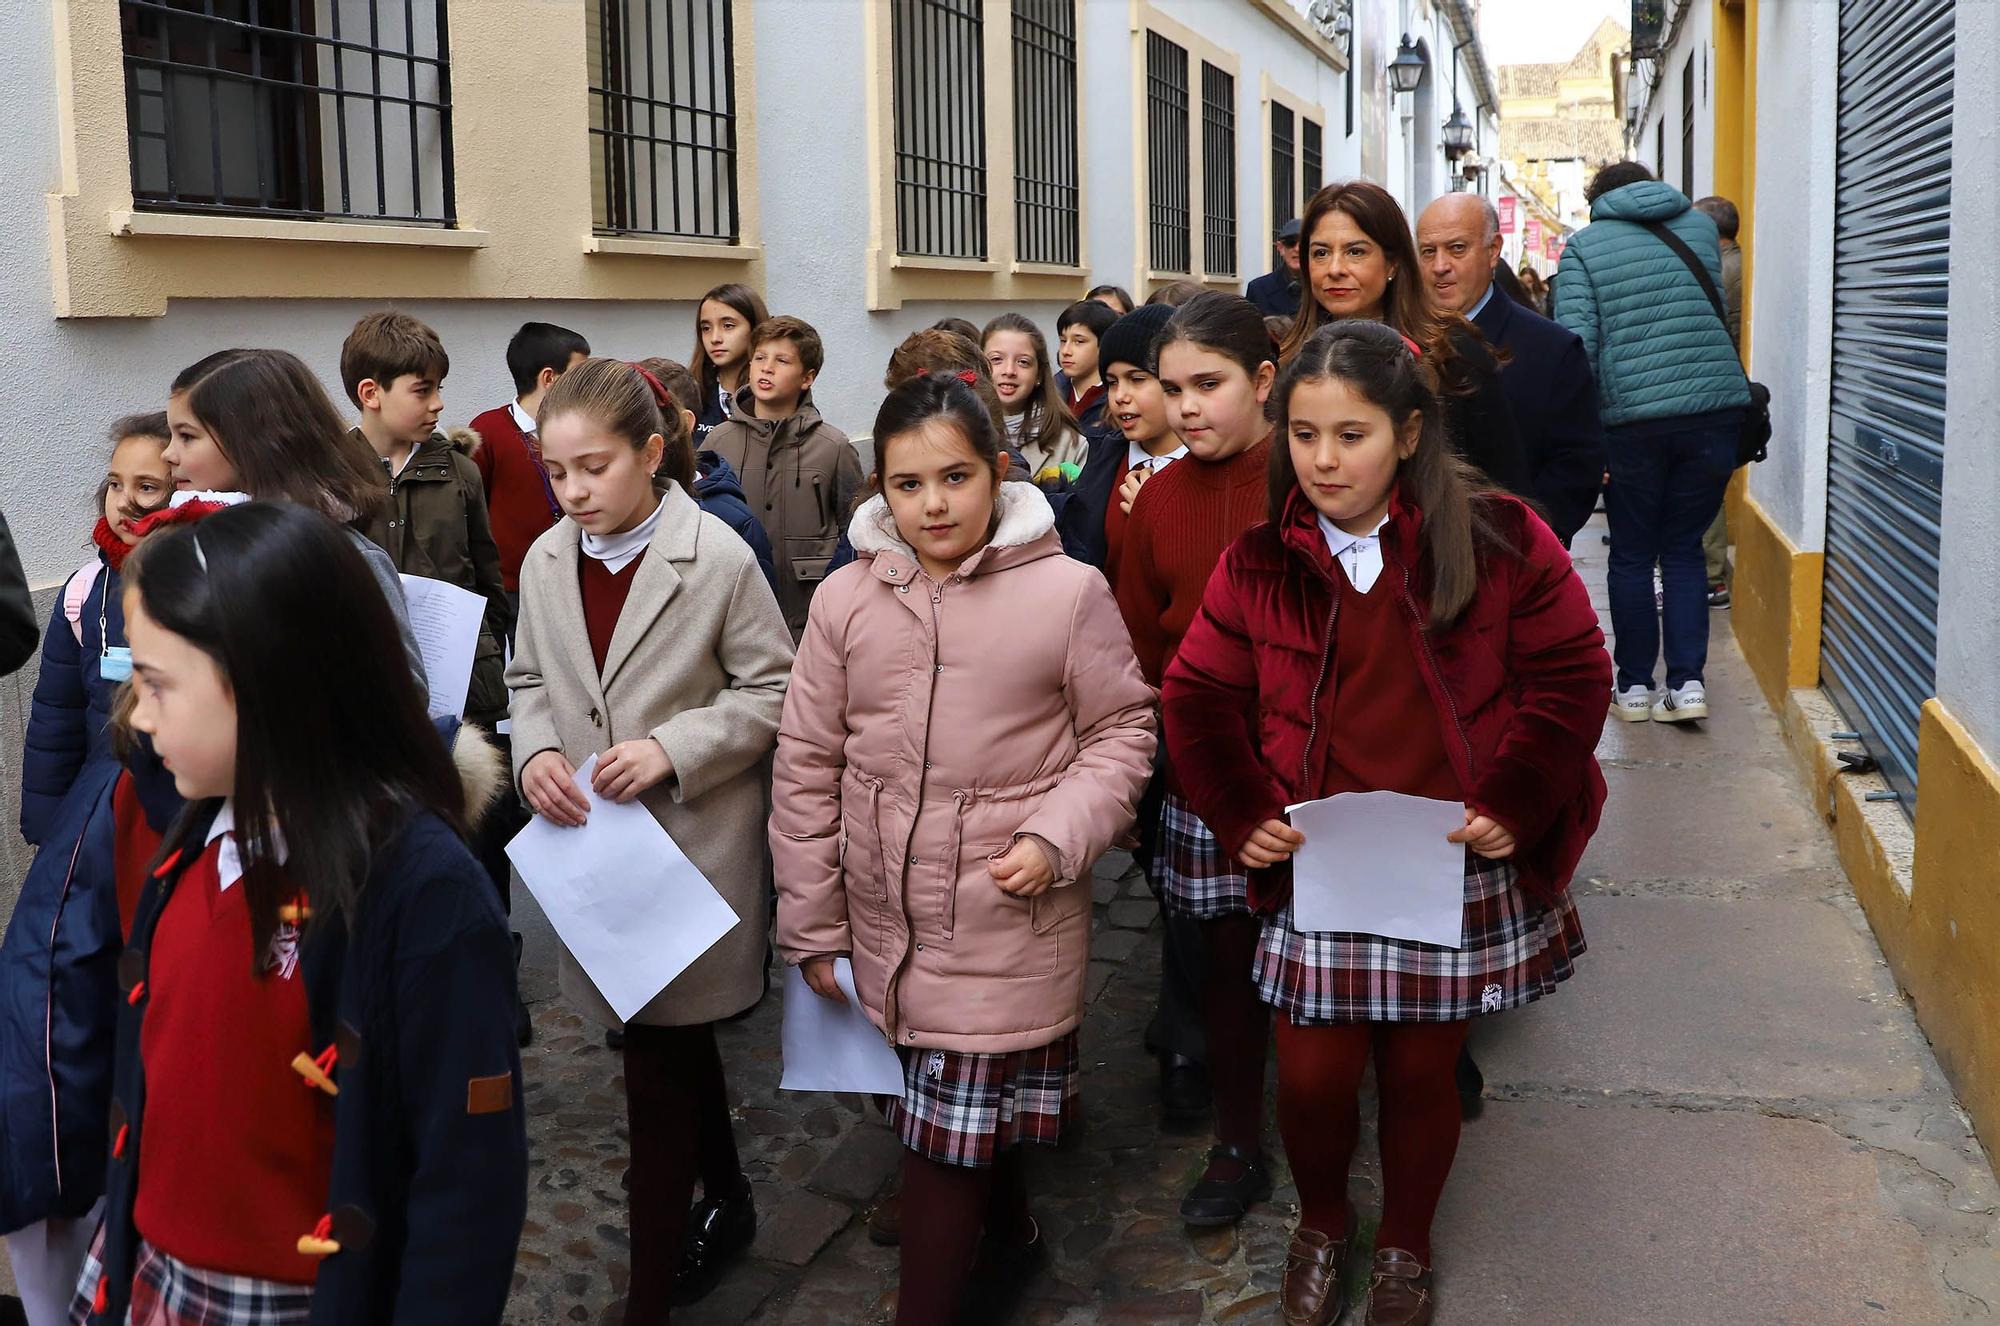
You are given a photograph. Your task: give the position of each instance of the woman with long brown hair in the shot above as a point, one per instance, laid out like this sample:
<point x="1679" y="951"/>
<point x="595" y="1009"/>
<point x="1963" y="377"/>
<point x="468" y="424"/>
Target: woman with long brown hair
<point x="1360" y="262"/>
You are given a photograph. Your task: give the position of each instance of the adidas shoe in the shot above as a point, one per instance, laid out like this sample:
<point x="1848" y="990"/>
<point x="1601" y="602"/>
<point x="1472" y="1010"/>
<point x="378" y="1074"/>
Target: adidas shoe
<point x="1633" y="704"/>
<point x="1681" y="704"/>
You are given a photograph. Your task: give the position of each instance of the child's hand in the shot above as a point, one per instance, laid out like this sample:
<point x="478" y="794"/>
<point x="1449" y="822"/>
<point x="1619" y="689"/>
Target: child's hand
<point x="1023" y="870"/>
<point x="629" y="768"/>
<point x="549" y="783"/>
<point x="1484" y="835"/>
<point x="1269" y="843"/>
<point x="819" y="979"/>
<point x="1128" y="492"/>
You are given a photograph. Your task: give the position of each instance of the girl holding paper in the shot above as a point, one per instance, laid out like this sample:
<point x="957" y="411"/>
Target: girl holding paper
<point x="1395" y="626"/>
<point x="967" y="731"/>
<point x="316" y="1111"/>
<point x="649" y="638"/>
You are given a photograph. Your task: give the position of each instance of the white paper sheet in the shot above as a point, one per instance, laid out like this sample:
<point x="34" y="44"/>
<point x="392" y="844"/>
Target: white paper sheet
<point x="1377" y="863"/>
<point x="834" y="1047"/>
<point x="628" y="904"/>
<point x="445" y="621"/>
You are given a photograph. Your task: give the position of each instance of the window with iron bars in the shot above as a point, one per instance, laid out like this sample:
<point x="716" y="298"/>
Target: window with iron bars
<point x="1218" y="170"/>
<point x="1046" y="187"/>
<point x="1169" y="190"/>
<point x="663" y="118"/>
<point x="1687" y="126"/>
<point x="940" y="73"/>
<point x="305" y="109"/>
<point x="1312" y="138"/>
<point x="1284" y="165"/>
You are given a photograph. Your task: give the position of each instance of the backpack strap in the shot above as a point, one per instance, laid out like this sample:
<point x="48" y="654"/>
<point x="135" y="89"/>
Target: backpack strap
<point x="1665" y="234"/>
<point x="77" y="592"/>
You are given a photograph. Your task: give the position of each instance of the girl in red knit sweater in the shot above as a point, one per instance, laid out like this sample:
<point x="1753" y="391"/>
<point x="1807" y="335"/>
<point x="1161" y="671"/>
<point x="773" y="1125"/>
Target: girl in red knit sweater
<point x="1396" y="628"/>
<point x="1216" y="364"/>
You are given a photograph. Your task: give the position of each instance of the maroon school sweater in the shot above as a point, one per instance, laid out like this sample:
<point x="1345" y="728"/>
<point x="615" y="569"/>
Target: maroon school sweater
<point x="519" y="501"/>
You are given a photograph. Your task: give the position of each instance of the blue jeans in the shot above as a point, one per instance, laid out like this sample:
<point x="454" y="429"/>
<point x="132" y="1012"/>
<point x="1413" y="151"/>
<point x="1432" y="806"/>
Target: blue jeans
<point x="1667" y="480"/>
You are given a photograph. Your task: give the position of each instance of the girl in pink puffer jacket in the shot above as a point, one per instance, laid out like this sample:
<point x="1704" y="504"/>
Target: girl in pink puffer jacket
<point x="966" y="732"/>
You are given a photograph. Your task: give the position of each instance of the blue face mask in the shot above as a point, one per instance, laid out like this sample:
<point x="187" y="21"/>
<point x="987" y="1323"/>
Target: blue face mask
<point x="116" y="665"/>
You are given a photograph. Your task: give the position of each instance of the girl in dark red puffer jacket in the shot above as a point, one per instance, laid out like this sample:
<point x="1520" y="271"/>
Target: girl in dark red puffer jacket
<point x="1394" y="628"/>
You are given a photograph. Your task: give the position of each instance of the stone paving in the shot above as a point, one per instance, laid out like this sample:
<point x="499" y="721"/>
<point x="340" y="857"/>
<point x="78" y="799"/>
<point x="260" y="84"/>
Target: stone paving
<point x="1729" y="1116"/>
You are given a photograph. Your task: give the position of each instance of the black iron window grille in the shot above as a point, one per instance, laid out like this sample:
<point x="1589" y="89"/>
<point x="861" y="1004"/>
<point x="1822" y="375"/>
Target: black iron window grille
<point x="663" y="118"/>
<point x="1687" y="126"/>
<point x="940" y="73"/>
<point x="1312" y="170"/>
<point x="289" y="108"/>
<point x="1284" y="165"/>
<point x="1169" y="190"/>
<point x="1046" y="187"/>
<point x="1218" y="171"/>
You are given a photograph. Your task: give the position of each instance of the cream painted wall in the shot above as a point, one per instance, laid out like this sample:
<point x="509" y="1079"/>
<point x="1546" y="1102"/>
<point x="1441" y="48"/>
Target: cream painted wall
<point x="1695" y="38"/>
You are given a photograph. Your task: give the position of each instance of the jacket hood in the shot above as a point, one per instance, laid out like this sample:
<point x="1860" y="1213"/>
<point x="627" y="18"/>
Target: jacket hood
<point x="1027" y="522"/>
<point x="1643" y="200"/>
<point x="716" y="477"/>
<point x="807" y="418"/>
<point x="464" y="440"/>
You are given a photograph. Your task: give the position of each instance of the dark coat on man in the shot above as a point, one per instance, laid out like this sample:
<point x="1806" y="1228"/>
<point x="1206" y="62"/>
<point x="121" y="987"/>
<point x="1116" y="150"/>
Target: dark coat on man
<point x="1548" y="383"/>
<point x="1276" y="294"/>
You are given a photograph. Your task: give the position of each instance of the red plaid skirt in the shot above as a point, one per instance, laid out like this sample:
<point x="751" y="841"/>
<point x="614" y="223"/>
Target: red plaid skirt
<point x="962" y="1108"/>
<point x="1195" y="876"/>
<point x="1516" y="950"/>
<point x="166" y="1292"/>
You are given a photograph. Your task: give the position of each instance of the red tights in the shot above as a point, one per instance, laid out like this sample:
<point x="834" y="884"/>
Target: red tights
<point x="945" y="1209"/>
<point x="677" y="1112"/>
<point x="1239" y="1030"/>
<point x="1319" y="1116"/>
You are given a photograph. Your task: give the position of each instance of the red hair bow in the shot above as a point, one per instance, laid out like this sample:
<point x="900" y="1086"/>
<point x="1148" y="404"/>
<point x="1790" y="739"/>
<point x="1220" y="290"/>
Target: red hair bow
<point x="661" y="396"/>
<point x="965" y="375"/>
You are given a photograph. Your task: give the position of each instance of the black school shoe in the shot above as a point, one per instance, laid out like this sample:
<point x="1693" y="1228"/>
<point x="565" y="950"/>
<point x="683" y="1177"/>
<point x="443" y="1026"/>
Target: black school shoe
<point x="1185" y="1095"/>
<point x="719" y="1230"/>
<point x="1000" y="1277"/>
<point x="1217" y="1201"/>
<point x="1471" y="1086"/>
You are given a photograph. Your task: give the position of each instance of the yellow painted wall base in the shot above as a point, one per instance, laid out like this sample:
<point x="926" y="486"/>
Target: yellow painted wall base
<point x="1775" y="603"/>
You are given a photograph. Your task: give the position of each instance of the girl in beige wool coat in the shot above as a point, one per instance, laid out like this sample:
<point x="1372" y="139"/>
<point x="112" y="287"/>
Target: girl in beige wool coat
<point x="649" y="638"/>
<point x="967" y="731"/>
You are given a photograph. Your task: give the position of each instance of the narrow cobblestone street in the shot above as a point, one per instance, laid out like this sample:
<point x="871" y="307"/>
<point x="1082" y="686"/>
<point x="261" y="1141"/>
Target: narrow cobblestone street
<point x="1729" y="1115"/>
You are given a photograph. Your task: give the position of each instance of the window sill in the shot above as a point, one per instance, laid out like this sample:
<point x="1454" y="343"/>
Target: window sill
<point x="1046" y="269"/>
<point x="917" y="262"/>
<point x="135" y="224"/>
<point x="637" y="247"/>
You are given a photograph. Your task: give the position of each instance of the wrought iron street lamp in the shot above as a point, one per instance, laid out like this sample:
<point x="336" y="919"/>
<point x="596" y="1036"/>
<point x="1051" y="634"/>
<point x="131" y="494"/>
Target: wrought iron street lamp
<point x="1407" y="69"/>
<point x="1457" y="134"/>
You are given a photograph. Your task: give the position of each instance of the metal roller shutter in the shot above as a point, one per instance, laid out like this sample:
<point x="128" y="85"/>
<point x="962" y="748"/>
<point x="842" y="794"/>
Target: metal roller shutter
<point x="1892" y="237"/>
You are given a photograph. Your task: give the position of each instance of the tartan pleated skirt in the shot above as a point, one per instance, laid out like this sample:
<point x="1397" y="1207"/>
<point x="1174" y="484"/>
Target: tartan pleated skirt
<point x="964" y="1108"/>
<point x="169" y="1292"/>
<point x="1516" y="950"/>
<point x="1195" y="876"/>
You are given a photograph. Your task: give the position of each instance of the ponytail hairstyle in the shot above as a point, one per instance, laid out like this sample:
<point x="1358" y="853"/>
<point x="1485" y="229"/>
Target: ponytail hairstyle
<point x="1048" y="414"/>
<point x="276" y="595"/>
<point x="951" y="396"/>
<point x="1407" y="305"/>
<point x="629" y="402"/>
<point x="281" y="434"/>
<point x="745" y="301"/>
<point x="682" y="390"/>
<point x="940" y="350"/>
<point x="1230" y="325"/>
<point x="1377" y="364"/>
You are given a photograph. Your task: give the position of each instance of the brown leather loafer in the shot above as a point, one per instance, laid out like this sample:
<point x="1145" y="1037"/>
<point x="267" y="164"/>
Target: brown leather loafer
<point x="1312" y="1293"/>
<point x="1400" y="1292"/>
<point x="885" y="1222"/>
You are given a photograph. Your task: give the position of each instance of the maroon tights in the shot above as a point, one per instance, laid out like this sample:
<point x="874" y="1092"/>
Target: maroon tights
<point x="1239" y="1030"/>
<point x="945" y="1209"/>
<point x="1319" y="1083"/>
<point x="677" y="1112"/>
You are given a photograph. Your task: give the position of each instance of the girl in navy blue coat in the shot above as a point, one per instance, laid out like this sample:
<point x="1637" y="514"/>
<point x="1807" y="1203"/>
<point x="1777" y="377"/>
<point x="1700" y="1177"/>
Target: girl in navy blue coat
<point x="316" y="1115"/>
<point x="58" y="993"/>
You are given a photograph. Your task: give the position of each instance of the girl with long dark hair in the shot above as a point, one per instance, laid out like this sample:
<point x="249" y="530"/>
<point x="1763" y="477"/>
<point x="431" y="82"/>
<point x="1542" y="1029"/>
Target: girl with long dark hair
<point x="723" y="322"/>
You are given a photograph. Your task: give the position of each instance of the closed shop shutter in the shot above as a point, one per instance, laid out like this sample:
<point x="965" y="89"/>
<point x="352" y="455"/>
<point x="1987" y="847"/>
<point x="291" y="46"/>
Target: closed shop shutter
<point x="1892" y="237"/>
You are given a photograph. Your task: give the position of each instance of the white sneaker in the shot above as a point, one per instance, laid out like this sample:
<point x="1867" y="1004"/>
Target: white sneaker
<point x="1682" y="704"/>
<point x="1633" y="704"/>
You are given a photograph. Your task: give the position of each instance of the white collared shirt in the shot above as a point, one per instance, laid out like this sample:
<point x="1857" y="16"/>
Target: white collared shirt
<point x="618" y="551"/>
<point x="1138" y="458"/>
<point x="522" y="419"/>
<point x="1473" y="312"/>
<point x="1360" y="555"/>
<point x="229" y="861"/>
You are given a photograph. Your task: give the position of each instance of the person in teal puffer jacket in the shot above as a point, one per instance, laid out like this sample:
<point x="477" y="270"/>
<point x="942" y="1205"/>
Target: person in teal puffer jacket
<point x="1672" y="394"/>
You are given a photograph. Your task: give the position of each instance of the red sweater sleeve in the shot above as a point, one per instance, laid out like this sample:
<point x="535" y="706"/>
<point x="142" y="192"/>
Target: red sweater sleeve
<point x="1142" y="599"/>
<point x="1210" y="702"/>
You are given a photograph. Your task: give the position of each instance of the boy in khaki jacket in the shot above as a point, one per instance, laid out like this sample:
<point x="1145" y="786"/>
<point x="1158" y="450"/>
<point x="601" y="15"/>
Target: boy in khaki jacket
<point x="800" y="474"/>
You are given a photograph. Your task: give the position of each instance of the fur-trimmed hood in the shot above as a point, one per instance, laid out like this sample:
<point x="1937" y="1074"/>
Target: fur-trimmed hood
<point x="482" y="770"/>
<point x="464" y="440"/>
<point x="1025" y="532"/>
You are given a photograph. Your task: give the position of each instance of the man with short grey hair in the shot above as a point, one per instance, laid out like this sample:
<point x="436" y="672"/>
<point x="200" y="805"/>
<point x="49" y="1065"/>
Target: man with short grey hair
<point x="1547" y="375"/>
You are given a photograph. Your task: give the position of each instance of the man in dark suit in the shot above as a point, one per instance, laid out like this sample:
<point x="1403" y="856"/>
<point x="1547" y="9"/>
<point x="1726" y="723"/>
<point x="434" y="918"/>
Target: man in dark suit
<point x="1547" y="376"/>
<point x="1276" y="293"/>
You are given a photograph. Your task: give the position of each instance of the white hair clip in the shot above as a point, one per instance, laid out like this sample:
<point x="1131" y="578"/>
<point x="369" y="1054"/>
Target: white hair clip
<point x="199" y="555"/>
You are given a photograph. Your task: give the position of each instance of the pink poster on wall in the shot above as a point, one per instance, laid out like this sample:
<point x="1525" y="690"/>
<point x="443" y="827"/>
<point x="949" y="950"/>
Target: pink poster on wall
<point x="1507" y="203"/>
<point x="1532" y="236"/>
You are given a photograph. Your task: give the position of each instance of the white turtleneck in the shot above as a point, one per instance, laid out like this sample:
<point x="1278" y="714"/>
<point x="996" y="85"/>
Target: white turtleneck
<point x="618" y="551"/>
